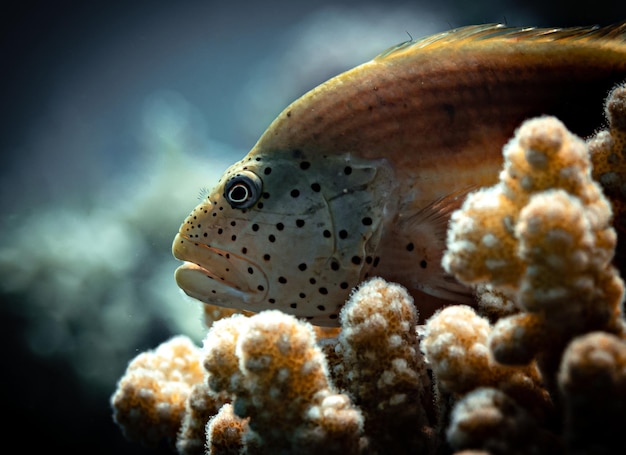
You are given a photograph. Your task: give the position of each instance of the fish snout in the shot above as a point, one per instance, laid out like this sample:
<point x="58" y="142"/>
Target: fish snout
<point x="216" y="276"/>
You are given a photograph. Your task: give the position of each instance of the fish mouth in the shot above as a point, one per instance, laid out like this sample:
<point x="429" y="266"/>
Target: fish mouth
<point x="217" y="276"/>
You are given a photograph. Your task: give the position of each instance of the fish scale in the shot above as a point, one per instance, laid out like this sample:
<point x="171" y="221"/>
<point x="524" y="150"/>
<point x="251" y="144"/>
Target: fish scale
<point x="359" y="176"/>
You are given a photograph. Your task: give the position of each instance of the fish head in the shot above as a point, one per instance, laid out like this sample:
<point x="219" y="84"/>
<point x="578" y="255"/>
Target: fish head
<point x="286" y="230"/>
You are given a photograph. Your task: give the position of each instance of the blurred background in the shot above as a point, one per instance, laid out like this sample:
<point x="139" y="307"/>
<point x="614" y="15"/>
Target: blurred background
<point x="115" y="117"/>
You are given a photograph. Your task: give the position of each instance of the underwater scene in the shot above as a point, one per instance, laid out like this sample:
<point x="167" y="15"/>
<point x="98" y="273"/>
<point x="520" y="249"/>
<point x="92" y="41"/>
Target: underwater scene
<point x="161" y="295"/>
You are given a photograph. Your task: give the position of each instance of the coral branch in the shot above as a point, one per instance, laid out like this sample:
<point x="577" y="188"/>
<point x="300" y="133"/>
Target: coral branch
<point x="385" y="372"/>
<point x="278" y="378"/>
<point x="592" y="379"/>
<point x="149" y="403"/>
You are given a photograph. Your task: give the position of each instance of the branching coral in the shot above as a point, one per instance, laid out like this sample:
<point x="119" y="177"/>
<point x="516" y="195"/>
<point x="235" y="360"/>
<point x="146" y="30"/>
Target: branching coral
<point x="225" y="431"/>
<point x="542" y="239"/>
<point x="149" y="403"/>
<point x="608" y="154"/>
<point x="456" y="347"/>
<point x="488" y="419"/>
<point x="200" y="406"/>
<point x="384" y="369"/>
<point x="543" y="235"/>
<point x="278" y="378"/>
<point x="592" y="380"/>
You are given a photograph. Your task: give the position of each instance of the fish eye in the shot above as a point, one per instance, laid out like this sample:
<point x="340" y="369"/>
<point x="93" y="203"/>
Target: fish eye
<point x="243" y="189"/>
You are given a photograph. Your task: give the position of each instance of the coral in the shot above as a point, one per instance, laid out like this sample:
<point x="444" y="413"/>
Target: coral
<point x="384" y="370"/>
<point x="278" y="378"/>
<point x="200" y="406"/>
<point x="456" y="347"/>
<point x="225" y="431"/>
<point x="488" y="419"/>
<point x="543" y="235"/>
<point x="608" y="154"/>
<point x="149" y="403"/>
<point x="592" y="380"/>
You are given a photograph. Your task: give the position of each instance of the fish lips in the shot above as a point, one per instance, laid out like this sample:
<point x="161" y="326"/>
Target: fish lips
<point x="217" y="276"/>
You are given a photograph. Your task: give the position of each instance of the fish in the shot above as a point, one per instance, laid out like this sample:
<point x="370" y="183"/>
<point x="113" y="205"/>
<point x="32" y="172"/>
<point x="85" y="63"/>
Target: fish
<point x="358" y="177"/>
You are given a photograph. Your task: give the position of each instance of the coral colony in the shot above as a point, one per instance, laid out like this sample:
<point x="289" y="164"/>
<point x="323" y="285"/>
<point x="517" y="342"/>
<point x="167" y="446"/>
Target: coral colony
<point x="538" y="366"/>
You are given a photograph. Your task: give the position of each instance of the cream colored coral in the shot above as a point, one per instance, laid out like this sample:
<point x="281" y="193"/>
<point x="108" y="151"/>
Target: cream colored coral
<point x="487" y="419"/>
<point x="482" y="242"/>
<point x="225" y="432"/>
<point x="608" y="153"/>
<point x="385" y="373"/>
<point x="592" y="380"/>
<point x="543" y="235"/>
<point x="149" y="403"/>
<point x="456" y="346"/>
<point x="278" y="378"/>
<point x="200" y="406"/>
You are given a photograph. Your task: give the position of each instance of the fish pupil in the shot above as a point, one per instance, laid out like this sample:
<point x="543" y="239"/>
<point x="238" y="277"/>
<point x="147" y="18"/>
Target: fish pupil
<point x="238" y="193"/>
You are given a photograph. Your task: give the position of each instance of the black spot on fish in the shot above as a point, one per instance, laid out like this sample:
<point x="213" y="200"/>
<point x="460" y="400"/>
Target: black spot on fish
<point x="219" y="231"/>
<point x="293" y="305"/>
<point x="343" y="234"/>
<point x="259" y="205"/>
<point x="280" y="226"/>
<point x="323" y="291"/>
<point x="266" y="195"/>
<point x="282" y="279"/>
<point x="367" y="221"/>
<point x="347" y="170"/>
<point x="410" y="247"/>
<point x="423" y="263"/>
<point x="302" y="295"/>
<point x="255" y="227"/>
<point x="302" y="267"/>
<point x="326" y="233"/>
<point x="356" y="260"/>
<point x="333" y="316"/>
<point x="300" y="223"/>
<point x="312" y="280"/>
<point x="368" y="259"/>
<point x="295" y="193"/>
<point x="233" y="237"/>
<point x="266" y="257"/>
<point x="344" y="285"/>
<point x="267" y="170"/>
<point x="260" y="287"/>
<point x="250" y="270"/>
<point x="316" y="187"/>
<point x="376" y="261"/>
<point x="272" y="300"/>
<point x="450" y="110"/>
<point x="305" y="165"/>
<point x="271" y="238"/>
<point x="321" y="307"/>
<point x="334" y="265"/>
<point x="244" y="250"/>
<point x="232" y="223"/>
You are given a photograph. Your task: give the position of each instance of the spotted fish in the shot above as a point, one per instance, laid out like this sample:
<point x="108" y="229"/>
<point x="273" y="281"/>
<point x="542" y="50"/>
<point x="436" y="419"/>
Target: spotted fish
<point x="358" y="177"/>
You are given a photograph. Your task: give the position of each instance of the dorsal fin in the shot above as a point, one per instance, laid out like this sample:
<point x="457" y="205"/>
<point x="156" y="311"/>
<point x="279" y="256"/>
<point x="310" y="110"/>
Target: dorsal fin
<point x="500" y="32"/>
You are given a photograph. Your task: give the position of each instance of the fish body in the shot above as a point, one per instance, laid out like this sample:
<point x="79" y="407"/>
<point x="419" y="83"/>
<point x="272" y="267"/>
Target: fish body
<point x="358" y="177"/>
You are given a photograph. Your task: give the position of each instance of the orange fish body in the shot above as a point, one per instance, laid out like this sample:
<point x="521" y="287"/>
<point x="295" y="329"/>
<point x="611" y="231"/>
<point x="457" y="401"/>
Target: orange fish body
<point x="421" y="124"/>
